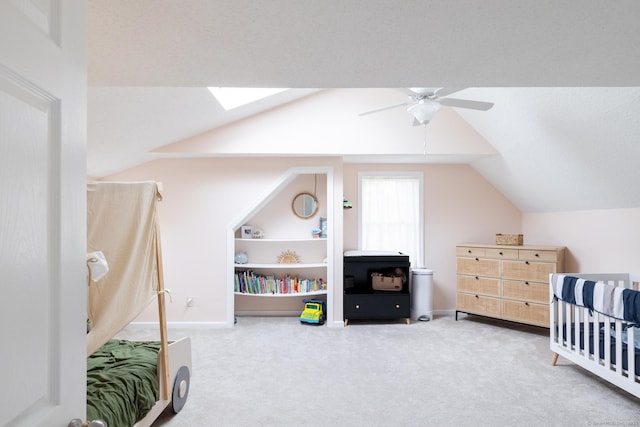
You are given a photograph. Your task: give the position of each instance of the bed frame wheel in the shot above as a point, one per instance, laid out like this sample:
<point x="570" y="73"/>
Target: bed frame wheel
<point x="180" y="389"/>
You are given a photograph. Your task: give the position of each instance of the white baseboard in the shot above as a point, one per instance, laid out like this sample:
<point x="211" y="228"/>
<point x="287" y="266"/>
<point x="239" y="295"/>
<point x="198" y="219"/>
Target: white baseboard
<point x="444" y="312"/>
<point x="178" y="325"/>
<point x="268" y="313"/>
<point x="221" y="325"/>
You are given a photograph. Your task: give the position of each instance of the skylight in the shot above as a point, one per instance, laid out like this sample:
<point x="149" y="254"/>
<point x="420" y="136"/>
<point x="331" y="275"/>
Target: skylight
<point x="232" y="97"/>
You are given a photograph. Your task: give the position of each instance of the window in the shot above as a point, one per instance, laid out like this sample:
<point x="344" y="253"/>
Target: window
<point x="232" y="97"/>
<point x="391" y="213"/>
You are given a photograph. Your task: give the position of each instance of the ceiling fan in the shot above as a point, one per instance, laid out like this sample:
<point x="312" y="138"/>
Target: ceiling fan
<point x="426" y="102"/>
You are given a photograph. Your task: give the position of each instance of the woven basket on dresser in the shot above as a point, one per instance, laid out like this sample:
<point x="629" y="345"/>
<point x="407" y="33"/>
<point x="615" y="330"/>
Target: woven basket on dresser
<point x="510" y="239"/>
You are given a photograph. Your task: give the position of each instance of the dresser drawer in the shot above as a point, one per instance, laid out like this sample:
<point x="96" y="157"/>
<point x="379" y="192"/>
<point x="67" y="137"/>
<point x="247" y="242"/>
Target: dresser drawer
<point x="478" y="267"/>
<point x="526" y="312"/>
<point x="478" y="304"/>
<point x="470" y="251"/>
<point x="501" y="253"/>
<point x="377" y="306"/>
<point x="534" y="255"/>
<point x="478" y="285"/>
<point x="528" y="270"/>
<point x="525" y="291"/>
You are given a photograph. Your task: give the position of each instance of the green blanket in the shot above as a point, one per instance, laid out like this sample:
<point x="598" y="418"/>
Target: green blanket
<point x="122" y="382"/>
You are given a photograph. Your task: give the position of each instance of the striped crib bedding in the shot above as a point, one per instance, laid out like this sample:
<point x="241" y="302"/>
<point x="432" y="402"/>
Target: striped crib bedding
<point x="594" y="323"/>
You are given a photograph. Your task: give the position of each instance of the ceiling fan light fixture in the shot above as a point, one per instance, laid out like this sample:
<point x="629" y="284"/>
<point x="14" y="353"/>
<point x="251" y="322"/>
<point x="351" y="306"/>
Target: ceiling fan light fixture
<point x="424" y="111"/>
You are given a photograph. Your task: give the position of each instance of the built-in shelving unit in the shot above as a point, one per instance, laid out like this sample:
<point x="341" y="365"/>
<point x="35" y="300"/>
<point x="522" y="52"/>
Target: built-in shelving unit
<point x="283" y="230"/>
<point x="262" y="275"/>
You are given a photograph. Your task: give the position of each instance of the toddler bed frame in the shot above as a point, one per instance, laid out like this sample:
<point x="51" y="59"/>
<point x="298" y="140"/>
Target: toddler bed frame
<point x="593" y="323"/>
<point x="122" y="225"/>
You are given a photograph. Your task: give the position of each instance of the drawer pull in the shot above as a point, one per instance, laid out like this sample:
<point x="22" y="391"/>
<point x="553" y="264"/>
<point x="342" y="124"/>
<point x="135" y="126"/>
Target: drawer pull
<point x="500" y="253"/>
<point x="357" y="305"/>
<point x="477" y="259"/>
<point x="537" y="255"/>
<point x="477" y="296"/>
<point x="526" y="283"/>
<point x="526" y="303"/>
<point x="477" y="278"/>
<point x="469" y="250"/>
<point x="397" y="305"/>
<point x="526" y="262"/>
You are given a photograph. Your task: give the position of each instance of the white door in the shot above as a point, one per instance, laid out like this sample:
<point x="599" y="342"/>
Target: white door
<point x="42" y="211"/>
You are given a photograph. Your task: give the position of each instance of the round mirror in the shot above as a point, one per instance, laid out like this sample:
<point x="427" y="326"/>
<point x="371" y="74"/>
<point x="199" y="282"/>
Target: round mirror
<point x="304" y="205"/>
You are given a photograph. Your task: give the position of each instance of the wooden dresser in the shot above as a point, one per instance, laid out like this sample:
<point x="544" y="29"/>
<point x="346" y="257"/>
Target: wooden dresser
<point x="506" y="282"/>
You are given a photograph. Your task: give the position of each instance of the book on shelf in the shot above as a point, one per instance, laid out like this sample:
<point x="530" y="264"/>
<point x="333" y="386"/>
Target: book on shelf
<point x="249" y="282"/>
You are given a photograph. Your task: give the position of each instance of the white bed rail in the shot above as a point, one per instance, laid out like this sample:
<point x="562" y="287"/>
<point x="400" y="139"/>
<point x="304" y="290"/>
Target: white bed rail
<point x="594" y="340"/>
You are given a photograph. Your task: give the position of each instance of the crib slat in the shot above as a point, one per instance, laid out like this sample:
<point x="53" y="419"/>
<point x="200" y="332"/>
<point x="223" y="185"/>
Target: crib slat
<point x="575" y="322"/>
<point x="607" y="342"/>
<point x="631" y="354"/>
<point x="619" y="344"/>
<point x="567" y="317"/>
<point x="553" y="329"/>
<point x="596" y="338"/>
<point x="561" y="332"/>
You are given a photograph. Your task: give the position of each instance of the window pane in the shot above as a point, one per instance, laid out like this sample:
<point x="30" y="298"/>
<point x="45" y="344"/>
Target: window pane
<point x="390" y="214"/>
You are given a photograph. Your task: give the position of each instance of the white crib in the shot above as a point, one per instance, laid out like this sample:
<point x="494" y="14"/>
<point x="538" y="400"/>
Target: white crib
<point x="594" y="340"/>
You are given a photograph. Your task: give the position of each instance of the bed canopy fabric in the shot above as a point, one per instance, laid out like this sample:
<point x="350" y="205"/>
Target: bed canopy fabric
<point x="121" y="223"/>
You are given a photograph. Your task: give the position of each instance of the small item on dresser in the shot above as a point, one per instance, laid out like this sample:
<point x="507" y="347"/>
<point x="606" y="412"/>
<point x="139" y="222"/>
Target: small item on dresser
<point x="510" y="239"/>
<point x="257" y="233"/>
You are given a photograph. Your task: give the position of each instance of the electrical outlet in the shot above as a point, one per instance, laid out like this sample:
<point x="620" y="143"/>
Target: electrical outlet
<point x="189" y="301"/>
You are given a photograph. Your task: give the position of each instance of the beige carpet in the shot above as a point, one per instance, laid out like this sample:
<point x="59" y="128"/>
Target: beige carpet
<point x="273" y="371"/>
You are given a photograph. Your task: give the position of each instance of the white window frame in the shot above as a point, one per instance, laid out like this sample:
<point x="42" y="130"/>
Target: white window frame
<point x="412" y="174"/>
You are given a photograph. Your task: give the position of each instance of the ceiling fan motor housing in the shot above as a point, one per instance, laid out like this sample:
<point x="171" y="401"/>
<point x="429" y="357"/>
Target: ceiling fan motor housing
<point x="424" y="110"/>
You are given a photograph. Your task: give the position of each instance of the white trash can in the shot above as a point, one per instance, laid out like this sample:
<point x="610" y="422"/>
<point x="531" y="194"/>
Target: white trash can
<point x="421" y="294"/>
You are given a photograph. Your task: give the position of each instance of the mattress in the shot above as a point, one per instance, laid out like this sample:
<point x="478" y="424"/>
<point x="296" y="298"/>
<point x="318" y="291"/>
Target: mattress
<point x="601" y="332"/>
<point x="122" y="381"/>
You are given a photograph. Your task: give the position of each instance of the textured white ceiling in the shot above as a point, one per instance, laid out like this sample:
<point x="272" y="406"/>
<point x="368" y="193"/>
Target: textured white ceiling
<point x="363" y="43"/>
<point x="560" y="148"/>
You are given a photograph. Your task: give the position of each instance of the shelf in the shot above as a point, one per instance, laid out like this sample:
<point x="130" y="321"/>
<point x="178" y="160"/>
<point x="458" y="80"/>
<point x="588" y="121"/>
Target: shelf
<point x="282" y="266"/>
<point x="305" y="239"/>
<point x="292" y="294"/>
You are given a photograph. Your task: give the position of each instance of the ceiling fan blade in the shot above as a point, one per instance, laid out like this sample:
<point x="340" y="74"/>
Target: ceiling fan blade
<point x="444" y="91"/>
<point x="388" y="107"/>
<point x="417" y="123"/>
<point x="407" y="91"/>
<point x="466" y="103"/>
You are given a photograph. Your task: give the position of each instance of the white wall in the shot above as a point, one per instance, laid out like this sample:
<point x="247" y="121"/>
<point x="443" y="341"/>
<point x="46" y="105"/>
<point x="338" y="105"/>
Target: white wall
<point x="460" y="207"/>
<point x="597" y="241"/>
<point x="202" y="197"/>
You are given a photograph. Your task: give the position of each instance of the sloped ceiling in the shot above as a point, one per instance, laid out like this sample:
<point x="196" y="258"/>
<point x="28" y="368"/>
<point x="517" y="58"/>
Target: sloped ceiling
<point x="562" y="148"/>
<point x="563" y="77"/>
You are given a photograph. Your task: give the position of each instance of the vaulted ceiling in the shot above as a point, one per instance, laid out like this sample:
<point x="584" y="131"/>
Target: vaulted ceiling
<point x="563" y="77"/>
